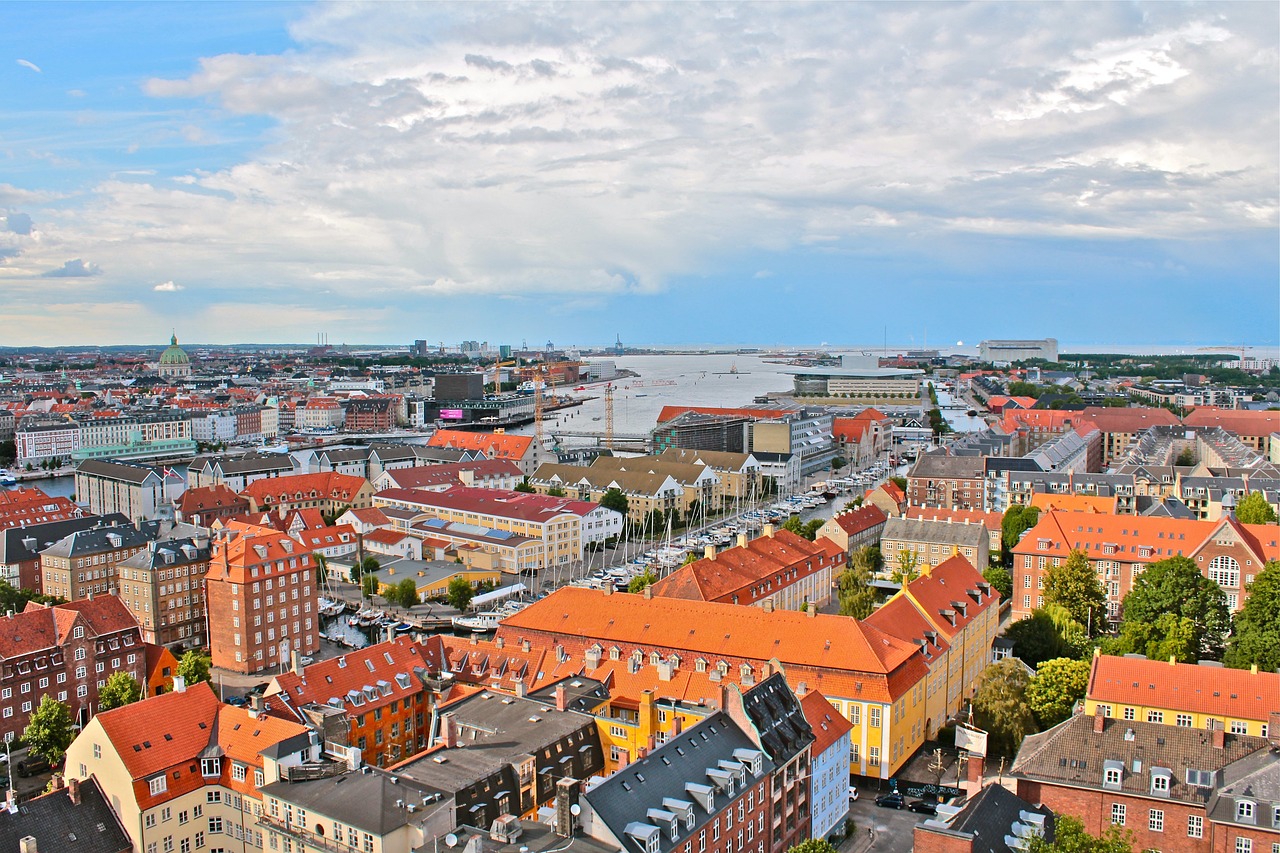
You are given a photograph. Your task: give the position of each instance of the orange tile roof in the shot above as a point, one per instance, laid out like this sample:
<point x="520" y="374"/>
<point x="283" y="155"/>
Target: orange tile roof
<point x="948" y="584"/>
<point x="1224" y="693"/>
<point x="828" y="724"/>
<point x="1042" y="419"/>
<point x="208" y="497"/>
<point x="735" y="570"/>
<point x="1137" y="539"/>
<point x="1238" y="421"/>
<point x="329" y="485"/>
<point x="1127" y="420"/>
<point x="349" y="674"/>
<point x="493" y="445"/>
<point x="153" y="735"/>
<point x="900" y="618"/>
<point x="861" y="518"/>
<point x="990" y="520"/>
<point x="236" y="551"/>
<point x="1074" y="503"/>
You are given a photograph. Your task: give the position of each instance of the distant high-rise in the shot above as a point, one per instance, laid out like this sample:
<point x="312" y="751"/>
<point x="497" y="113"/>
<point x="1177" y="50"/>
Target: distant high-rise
<point x="1019" y="350"/>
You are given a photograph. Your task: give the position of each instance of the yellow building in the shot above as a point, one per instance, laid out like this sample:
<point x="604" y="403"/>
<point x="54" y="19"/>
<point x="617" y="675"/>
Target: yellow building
<point x="434" y="576"/>
<point x="1187" y="695"/>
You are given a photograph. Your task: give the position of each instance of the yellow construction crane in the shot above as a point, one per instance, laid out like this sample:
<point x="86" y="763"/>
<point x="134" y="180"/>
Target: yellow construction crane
<point x="608" y="416"/>
<point x="537" y="410"/>
<point x="497" y="373"/>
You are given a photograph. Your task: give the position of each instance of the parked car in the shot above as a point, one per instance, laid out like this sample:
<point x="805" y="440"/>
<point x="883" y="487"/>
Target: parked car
<point x="853" y="794"/>
<point x="237" y="701"/>
<point x="31" y="765"/>
<point x="923" y="806"/>
<point x="892" y="800"/>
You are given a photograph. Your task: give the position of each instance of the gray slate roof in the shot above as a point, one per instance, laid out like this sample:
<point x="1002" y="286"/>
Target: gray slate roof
<point x="988" y="818"/>
<point x="364" y="798"/>
<point x="57" y="825"/>
<point x="125" y="473"/>
<point x="20" y="544"/>
<point x="933" y="532"/>
<point x="96" y="539"/>
<point x="939" y="466"/>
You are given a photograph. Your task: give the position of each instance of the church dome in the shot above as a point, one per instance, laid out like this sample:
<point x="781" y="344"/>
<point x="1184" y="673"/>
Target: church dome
<point x="174" y="354"/>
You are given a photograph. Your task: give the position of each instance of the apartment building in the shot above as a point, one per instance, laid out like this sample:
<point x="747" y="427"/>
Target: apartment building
<point x="1119" y="547"/>
<point x="863" y="439"/>
<point x="332" y="494"/>
<point x="238" y="472"/>
<point x="20" y="546"/>
<point x="67" y="651"/>
<point x="261" y="591"/>
<point x="23" y="507"/>
<point x="878" y="682"/>
<point x="926" y="543"/>
<point x="992" y="522"/>
<point x="828" y="798"/>
<point x="74" y="816"/>
<point x="83" y="563"/>
<point x="163" y="586"/>
<point x="520" y="449"/>
<point x="1120" y="428"/>
<point x="204" y="505"/>
<point x="949" y="482"/>
<point x="1186" y="695"/>
<point x="479" y="473"/>
<point x="739" y="476"/>
<point x="135" y="491"/>
<point x="777" y="569"/>
<point x="1254" y="428"/>
<point x="185" y="771"/>
<point x="855" y="529"/>
<point x="646" y="491"/>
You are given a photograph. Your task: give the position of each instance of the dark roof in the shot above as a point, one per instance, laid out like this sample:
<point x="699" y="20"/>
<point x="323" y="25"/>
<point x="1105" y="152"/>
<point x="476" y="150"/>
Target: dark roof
<point x="95" y="539"/>
<point x="583" y="694"/>
<point x="14" y="547"/>
<point x="1256" y="777"/>
<point x="942" y="466"/>
<point x="1071" y="753"/>
<point x="779" y="720"/>
<point x="169" y="552"/>
<point x="366" y="798"/>
<point x="988" y="818"/>
<point x="699" y="757"/>
<point x="56" y="824"/>
<point x="122" y="471"/>
<point x="534" y="838"/>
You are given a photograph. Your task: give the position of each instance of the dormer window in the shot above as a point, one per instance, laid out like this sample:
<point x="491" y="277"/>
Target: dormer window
<point x="210" y="767"/>
<point x="1112" y="774"/>
<point x="1160" y="780"/>
<point x="1245" y="811"/>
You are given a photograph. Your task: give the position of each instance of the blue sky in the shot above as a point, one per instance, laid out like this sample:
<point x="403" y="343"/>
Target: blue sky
<point x="671" y="173"/>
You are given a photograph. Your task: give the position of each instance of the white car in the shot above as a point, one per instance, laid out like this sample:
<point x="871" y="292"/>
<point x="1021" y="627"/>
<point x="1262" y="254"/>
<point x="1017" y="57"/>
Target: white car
<point x="853" y="794"/>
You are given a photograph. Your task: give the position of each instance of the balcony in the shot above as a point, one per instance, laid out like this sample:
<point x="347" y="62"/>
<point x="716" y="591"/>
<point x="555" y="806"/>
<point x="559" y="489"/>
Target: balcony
<point x="302" y="836"/>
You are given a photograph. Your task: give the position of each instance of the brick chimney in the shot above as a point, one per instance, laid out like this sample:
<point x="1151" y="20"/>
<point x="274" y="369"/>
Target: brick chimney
<point x="525" y="645"/>
<point x="1220" y="735"/>
<point x="73" y="791"/>
<point x="677" y="725"/>
<point x="562" y="698"/>
<point x="449" y="733"/>
<point x="498" y="643"/>
<point x="709" y="552"/>
<point x="1273" y="729"/>
<point x="811" y="611"/>
<point x="1099" y="721"/>
<point x="974" y="769"/>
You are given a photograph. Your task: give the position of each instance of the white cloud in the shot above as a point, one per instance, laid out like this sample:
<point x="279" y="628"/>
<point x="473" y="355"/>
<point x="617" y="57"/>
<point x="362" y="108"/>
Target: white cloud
<point x="26" y="63"/>
<point x="168" y="287"/>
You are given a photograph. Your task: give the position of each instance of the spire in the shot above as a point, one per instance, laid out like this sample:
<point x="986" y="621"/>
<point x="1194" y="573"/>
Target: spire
<point x="173" y="339"/>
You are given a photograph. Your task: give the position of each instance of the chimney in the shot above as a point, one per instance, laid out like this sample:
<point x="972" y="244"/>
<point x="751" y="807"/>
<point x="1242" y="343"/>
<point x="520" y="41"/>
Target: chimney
<point x="525" y="645"/>
<point x="768" y="530"/>
<point x="1219" y="735"/>
<point x="475" y="638"/>
<point x="562" y="698"/>
<point x="742" y="540"/>
<point x="1099" y="721"/>
<point x="450" y="731"/>
<point x="73" y="791"/>
<point x="27" y="844"/>
<point x="608" y="587"/>
<point x="498" y="643"/>
<point x="255" y="703"/>
<point x="648" y="591"/>
<point x="974" y="768"/>
<point x="522" y="689"/>
<point x="677" y="725"/>
<point x="566" y="799"/>
<point x="811" y="611"/>
<point x="767" y="605"/>
<point x="179" y="684"/>
<point x="709" y="552"/>
<point x="1273" y="729"/>
<point x="295" y="662"/>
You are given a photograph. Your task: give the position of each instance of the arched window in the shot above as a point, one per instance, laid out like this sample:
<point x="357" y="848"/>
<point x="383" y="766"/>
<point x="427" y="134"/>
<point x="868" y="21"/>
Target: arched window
<point x="1224" y="571"/>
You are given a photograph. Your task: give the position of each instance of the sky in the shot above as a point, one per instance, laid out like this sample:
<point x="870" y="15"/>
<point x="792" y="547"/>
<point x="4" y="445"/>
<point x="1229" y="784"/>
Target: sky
<point x="667" y="173"/>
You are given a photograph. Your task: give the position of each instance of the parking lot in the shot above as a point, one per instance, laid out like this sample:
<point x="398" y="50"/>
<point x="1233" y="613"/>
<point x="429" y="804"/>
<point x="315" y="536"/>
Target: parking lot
<point x="893" y="828"/>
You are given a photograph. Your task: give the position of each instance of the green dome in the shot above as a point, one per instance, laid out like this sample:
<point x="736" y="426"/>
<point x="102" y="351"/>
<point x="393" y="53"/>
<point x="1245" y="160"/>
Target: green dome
<point x="174" y="354"/>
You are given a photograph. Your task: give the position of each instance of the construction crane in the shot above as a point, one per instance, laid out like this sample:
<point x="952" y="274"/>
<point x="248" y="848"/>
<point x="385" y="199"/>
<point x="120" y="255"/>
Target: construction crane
<point x="608" y="416"/>
<point x="537" y="410"/>
<point x="497" y="373"/>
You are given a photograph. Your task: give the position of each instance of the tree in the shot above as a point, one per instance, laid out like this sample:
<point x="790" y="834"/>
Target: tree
<point x="524" y="486"/>
<point x="1254" y="509"/>
<point x="794" y="524"/>
<point x="615" y="500"/>
<point x="1017" y="520"/>
<point x="854" y="591"/>
<point x="1070" y="837"/>
<point x="121" y="689"/>
<point x="406" y="592"/>
<point x="1056" y="687"/>
<point x="869" y="556"/>
<point x="556" y="492"/>
<point x="900" y="482"/>
<point x="1000" y="580"/>
<point x="49" y="732"/>
<point x="194" y="667"/>
<point x="1035" y="639"/>
<point x="907" y="567"/>
<point x="1175" y="586"/>
<point x="1256" y="639"/>
<point x="642" y="580"/>
<point x="1075" y="586"/>
<point x="838" y="463"/>
<point x="1000" y="706"/>
<point x="813" y="845"/>
<point x="811" y="527"/>
<point x="369" y="585"/>
<point x="460" y="593"/>
<point x="1186" y="458"/>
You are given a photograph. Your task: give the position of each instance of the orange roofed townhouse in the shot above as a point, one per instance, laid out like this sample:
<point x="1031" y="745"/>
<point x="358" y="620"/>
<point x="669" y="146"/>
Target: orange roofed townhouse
<point x="183" y="770"/>
<point x="68" y="652"/>
<point x="953" y="614"/>
<point x="856" y="528"/>
<point x="1119" y="547"/>
<point x="520" y="449"/>
<point x="261" y="591"/>
<point x="877" y="681"/>
<point x="778" y="569"/>
<point x="380" y="690"/>
<point x="1186" y="695"/>
<point x="330" y="493"/>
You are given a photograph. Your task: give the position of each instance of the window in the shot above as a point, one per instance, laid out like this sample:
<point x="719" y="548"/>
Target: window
<point x="1155" y="716"/>
<point x="1244" y="811"/>
<point x="1184" y="721"/>
<point x="1243" y="845"/>
<point x="1117" y="814"/>
<point x="158" y="784"/>
<point x="1224" y="571"/>
<point x="215" y="825"/>
<point x="1160" y="784"/>
<point x="1111" y="777"/>
<point x="1239" y="727"/>
<point x="1195" y="826"/>
<point x="237" y="771"/>
<point x="1128" y="713"/>
<point x="210" y="767"/>
<point x="149" y="821"/>
<point x="873" y="717"/>
<point x="873" y="756"/>
<point x="1155" y="820"/>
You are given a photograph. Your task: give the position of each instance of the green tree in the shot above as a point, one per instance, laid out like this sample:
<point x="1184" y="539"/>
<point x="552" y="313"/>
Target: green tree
<point x="1175" y="586"/>
<point x="1186" y="458"/>
<point x="460" y="593"/>
<point x="1017" y="520"/>
<point x="1070" y="837"/>
<point x="838" y="463"/>
<point x="556" y="492"/>
<point x="369" y="585"/>
<point x="121" y="689"/>
<point x="906" y="567"/>
<point x="900" y="482"/>
<point x="525" y="487"/>
<point x="1257" y="630"/>
<point x="1000" y="706"/>
<point x="811" y="527"/>
<point x="813" y="845"/>
<point x="1056" y="687"/>
<point x="794" y="524"/>
<point x="1254" y="509"/>
<point x="853" y="588"/>
<point x="870" y="556"/>
<point x="49" y="732"/>
<point x="1170" y="636"/>
<point x="407" y="592"/>
<point x="1035" y="639"/>
<point x="1075" y="586"/>
<point x="642" y="580"/>
<point x="194" y="667"/>
<point x="615" y="500"/>
<point x="1000" y="580"/>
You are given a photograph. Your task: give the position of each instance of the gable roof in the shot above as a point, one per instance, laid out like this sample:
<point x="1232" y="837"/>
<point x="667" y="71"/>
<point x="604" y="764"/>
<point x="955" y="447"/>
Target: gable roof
<point x="1239" y="421"/>
<point x="742" y="566"/>
<point x="153" y="735"/>
<point x="329" y="485"/>
<point x="862" y="518"/>
<point x="493" y="445"/>
<point x="370" y="677"/>
<point x="828" y="724"/>
<point x="59" y="825"/>
<point x="1215" y="690"/>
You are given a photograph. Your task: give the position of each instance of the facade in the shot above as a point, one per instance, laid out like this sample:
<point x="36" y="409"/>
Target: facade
<point x="39" y="440"/>
<point x="238" y="472"/>
<point x="855" y="529"/>
<point x="20" y="546"/>
<point x="777" y="569"/>
<point x="332" y="494"/>
<point x="1186" y="695"/>
<point x="1004" y="352"/>
<point x="1119" y="547"/>
<point x="878" y="682"/>
<point x="928" y="543"/>
<point x="697" y="431"/>
<point x="134" y="491"/>
<point x="204" y="505"/>
<point x="863" y="439"/>
<point x="83" y="563"/>
<point x="829" y="768"/>
<point x="1121" y="428"/>
<point x="1254" y="428"/>
<point x="738" y="475"/>
<point x="947" y="482"/>
<point x="992" y="521"/>
<point x="163" y="587"/>
<point x="23" y="507"/>
<point x="67" y="651"/>
<point x="184" y="771"/>
<point x="479" y="473"/>
<point x="261" y="592"/>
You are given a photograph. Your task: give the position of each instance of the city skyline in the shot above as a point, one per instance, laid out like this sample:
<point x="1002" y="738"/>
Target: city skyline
<point x="722" y="174"/>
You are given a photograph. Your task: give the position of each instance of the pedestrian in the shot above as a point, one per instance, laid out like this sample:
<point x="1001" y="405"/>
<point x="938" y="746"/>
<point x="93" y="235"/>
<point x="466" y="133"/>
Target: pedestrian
<point x="870" y="833"/>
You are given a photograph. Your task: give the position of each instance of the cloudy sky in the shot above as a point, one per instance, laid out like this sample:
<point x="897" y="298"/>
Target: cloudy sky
<point x="672" y="172"/>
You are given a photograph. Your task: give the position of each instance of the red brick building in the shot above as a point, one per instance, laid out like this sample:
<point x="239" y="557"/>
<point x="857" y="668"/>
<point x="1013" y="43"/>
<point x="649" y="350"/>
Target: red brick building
<point x="949" y="482"/>
<point x="67" y="651"/>
<point x="203" y="505"/>
<point x="261" y="591"/>
<point x="370" y="414"/>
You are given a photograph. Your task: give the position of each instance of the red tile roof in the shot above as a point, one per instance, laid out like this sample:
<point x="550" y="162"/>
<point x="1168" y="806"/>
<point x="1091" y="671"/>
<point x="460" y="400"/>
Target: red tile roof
<point x="153" y="735"/>
<point x="945" y="587"/>
<point x="1137" y="539"/>
<point x="1224" y="693"/>
<point x="295" y="487"/>
<point x="1127" y="420"/>
<point x="502" y="503"/>
<point x="828" y="724"/>
<point x="737" y="572"/>
<point x="369" y="674"/>
<point x="204" y="498"/>
<point x="672" y="412"/>
<point x="1238" y="421"/>
<point x="450" y="474"/>
<point x="493" y="445"/>
<point x="860" y="519"/>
